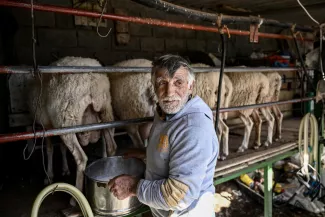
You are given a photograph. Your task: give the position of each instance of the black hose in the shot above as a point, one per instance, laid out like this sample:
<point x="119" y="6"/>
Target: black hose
<point x="302" y="62"/>
<point x="213" y="17"/>
<point x="222" y="67"/>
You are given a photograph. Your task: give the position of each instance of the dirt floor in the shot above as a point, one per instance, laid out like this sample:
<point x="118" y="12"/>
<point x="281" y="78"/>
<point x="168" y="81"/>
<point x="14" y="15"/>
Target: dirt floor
<point x="21" y="181"/>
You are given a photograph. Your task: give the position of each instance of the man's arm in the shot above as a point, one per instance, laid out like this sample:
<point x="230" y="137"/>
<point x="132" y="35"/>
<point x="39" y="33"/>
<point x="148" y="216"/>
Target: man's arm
<point x="189" y="158"/>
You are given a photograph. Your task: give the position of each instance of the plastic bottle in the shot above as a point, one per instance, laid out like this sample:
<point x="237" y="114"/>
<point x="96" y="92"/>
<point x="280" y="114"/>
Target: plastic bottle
<point x="247" y="180"/>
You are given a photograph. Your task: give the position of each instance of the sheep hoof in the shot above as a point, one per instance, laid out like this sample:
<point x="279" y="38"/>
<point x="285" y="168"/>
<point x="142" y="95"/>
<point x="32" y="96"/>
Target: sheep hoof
<point x="277" y="138"/>
<point x="267" y="143"/>
<point x="240" y="149"/>
<point x="222" y="157"/>
<point x="73" y="202"/>
<point x="257" y="145"/>
<point x="46" y="181"/>
<point x="66" y="173"/>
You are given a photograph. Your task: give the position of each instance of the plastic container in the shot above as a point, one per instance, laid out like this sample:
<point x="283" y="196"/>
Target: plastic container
<point x="247" y="180"/>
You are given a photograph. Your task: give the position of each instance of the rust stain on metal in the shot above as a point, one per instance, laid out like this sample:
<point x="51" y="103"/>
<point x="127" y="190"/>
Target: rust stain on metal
<point x="3" y="70"/>
<point x="23" y="136"/>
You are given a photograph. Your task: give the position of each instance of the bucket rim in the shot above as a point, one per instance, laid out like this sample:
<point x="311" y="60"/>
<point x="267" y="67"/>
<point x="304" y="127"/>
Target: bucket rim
<point x="105" y="158"/>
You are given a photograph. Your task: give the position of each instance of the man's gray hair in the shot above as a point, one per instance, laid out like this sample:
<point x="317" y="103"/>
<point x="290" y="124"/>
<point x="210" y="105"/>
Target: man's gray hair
<point x="171" y="63"/>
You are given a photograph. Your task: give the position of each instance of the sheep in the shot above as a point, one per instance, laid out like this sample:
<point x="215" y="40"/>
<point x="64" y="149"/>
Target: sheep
<point x="275" y="82"/>
<point x="240" y="93"/>
<point x="251" y="88"/>
<point x="63" y="103"/>
<point x="139" y="99"/>
<point x="206" y="86"/>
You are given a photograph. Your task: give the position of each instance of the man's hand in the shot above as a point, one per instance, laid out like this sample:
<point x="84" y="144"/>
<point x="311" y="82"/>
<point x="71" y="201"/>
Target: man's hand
<point x="123" y="186"/>
<point x="136" y="153"/>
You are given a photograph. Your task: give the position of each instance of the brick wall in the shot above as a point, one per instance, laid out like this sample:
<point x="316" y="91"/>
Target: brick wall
<point x="57" y="36"/>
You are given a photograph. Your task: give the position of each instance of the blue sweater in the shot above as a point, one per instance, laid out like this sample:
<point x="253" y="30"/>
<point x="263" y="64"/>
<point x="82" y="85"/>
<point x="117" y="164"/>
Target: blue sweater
<point x="181" y="158"/>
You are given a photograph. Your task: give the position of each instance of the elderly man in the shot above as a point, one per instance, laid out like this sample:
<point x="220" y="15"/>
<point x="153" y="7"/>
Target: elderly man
<point x="182" y="149"/>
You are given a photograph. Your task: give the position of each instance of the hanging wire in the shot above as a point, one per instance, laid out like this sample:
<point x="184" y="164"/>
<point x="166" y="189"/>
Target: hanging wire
<point x="302" y="61"/>
<point x="38" y="104"/>
<point x="100" y="19"/>
<point x="307" y="13"/>
<point x="320" y="36"/>
<point x="223" y="63"/>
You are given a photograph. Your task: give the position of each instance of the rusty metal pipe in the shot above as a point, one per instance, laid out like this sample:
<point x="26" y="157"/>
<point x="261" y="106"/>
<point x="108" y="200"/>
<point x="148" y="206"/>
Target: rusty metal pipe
<point x="114" y="124"/>
<point x="110" y="69"/>
<point x="139" y="20"/>
<point x="74" y="129"/>
<point x="213" y="17"/>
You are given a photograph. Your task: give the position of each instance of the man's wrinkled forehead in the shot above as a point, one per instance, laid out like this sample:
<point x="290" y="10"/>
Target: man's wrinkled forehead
<point x="163" y="73"/>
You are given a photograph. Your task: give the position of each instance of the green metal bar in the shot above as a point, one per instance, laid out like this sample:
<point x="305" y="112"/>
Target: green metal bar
<point x="268" y="197"/>
<point x="254" y="167"/>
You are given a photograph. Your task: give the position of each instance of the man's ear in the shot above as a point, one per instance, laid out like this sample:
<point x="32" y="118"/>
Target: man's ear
<point x="192" y="86"/>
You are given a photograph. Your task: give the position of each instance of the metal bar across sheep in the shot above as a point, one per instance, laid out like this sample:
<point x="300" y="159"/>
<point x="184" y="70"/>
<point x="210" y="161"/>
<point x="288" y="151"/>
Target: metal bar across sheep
<point x="111" y="69"/>
<point x="147" y="21"/>
<point x="114" y="124"/>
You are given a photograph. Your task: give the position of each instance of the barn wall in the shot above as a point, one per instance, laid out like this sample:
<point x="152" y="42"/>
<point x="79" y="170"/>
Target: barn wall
<point x="57" y="36"/>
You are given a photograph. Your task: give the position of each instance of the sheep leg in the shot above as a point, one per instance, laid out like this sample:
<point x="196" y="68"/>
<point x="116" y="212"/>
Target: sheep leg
<point x="144" y="130"/>
<point x="110" y="142"/>
<point x="270" y="124"/>
<point x="49" y="152"/>
<point x="71" y="141"/>
<point x="65" y="167"/>
<point x="225" y="134"/>
<point x="134" y="134"/>
<point x="104" y="147"/>
<point x="258" y="128"/>
<point x="278" y="119"/>
<point x="248" y="129"/>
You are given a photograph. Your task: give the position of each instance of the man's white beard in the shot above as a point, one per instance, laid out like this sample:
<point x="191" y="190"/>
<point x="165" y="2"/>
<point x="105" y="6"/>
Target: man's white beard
<point x="175" y="107"/>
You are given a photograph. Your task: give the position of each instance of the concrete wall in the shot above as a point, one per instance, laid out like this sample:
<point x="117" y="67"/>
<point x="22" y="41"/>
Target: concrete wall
<point x="57" y="36"/>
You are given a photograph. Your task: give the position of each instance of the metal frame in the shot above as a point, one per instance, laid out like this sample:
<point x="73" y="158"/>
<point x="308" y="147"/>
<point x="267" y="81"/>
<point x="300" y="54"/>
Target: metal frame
<point x="214" y="17"/>
<point x="220" y="20"/>
<point x="111" y="69"/>
<point x="147" y="21"/>
<point x="114" y="124"/>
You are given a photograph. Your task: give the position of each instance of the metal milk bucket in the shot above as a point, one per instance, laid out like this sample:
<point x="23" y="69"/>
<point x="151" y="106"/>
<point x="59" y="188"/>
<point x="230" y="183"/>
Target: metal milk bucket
<point x="98" y="173"/>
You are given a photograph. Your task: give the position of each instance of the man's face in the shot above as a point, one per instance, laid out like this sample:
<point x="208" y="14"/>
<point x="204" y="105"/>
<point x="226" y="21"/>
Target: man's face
<point x="172" y="92"/>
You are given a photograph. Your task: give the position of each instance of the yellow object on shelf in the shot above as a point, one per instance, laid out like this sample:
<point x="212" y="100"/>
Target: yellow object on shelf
<point x="247" y="180"/>
<point x="277" y="188"/>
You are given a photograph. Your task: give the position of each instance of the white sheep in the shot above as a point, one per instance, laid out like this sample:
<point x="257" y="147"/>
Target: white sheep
<point x="133" y="96"/>
<point x="251" y="88"/>
<point x="275" y="82"/>
<point x="206" y="86"/>
<point x="65" y="99"/>
<point x="312" y="59"/>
